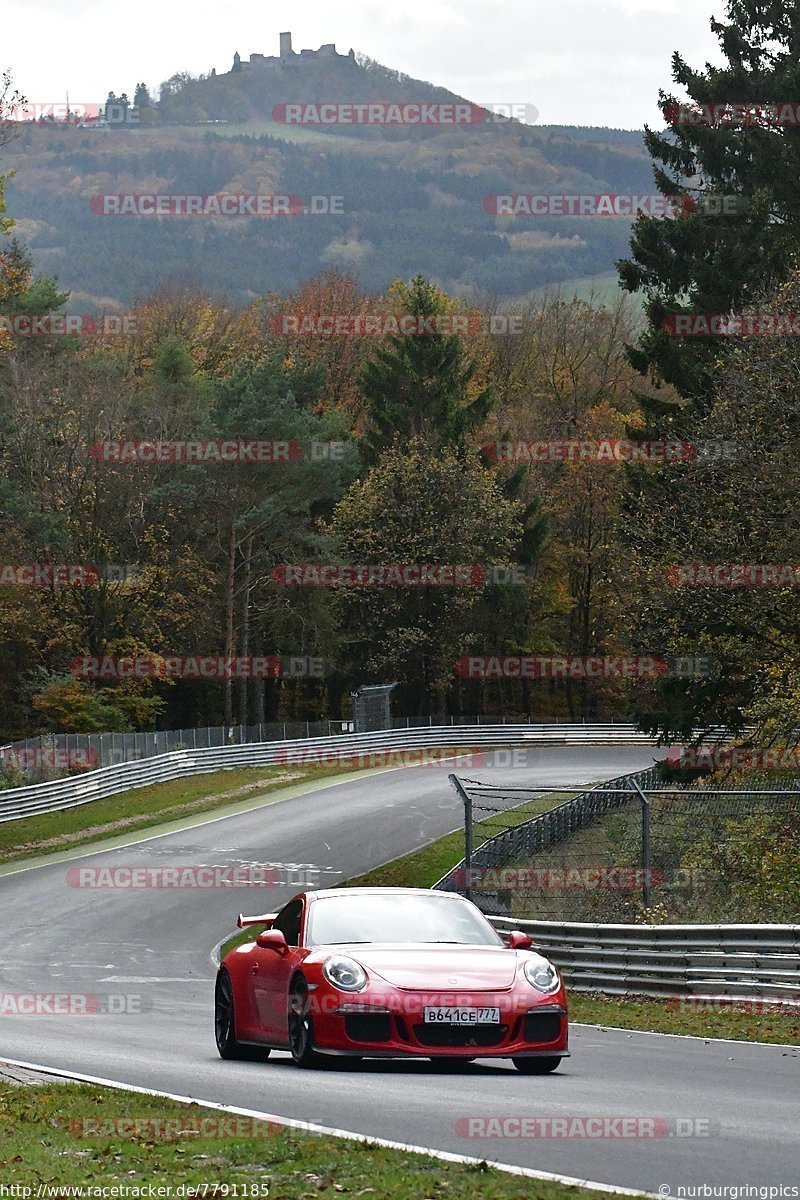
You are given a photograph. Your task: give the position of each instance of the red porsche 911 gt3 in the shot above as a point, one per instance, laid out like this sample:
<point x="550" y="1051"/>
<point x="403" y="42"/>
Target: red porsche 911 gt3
<point x="389" y="973"/>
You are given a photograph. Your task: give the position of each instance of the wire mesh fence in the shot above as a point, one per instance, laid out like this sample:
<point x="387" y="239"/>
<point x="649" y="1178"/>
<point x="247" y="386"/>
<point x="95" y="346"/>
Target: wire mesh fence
<point x="53" y="755"/>
<point x="634" y="849"/>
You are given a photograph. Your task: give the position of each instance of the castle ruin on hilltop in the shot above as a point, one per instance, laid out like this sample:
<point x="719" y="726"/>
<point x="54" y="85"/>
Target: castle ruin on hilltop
<point x="289" y="57"/>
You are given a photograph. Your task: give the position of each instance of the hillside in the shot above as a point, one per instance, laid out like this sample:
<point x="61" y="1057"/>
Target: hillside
<point x="411" y="198"/>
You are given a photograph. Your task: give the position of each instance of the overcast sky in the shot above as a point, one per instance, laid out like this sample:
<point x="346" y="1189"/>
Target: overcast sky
<point x="580" y="62"/>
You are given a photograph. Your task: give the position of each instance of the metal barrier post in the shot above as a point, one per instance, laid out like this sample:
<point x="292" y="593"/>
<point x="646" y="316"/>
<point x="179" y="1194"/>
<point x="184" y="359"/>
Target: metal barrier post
<point x="645" y="845"/>
<point x="467" y="799"/>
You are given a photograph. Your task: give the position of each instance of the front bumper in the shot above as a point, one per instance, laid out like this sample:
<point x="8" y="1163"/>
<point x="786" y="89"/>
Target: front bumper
<point x="391" y="1029"/>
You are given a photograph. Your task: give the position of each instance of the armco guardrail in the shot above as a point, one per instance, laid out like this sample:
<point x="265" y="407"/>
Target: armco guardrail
<point x="111" y="749"/>
<point x="719" y="961"/>
<point x="109" y="781"/>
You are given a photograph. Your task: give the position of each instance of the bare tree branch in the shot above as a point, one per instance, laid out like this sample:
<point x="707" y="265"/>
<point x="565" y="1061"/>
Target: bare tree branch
<point x="10" y="99"/>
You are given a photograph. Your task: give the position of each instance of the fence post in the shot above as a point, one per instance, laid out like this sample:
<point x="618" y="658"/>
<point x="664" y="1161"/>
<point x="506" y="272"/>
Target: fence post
<point x="645" y="845"/>
<point x="467" y="799"/>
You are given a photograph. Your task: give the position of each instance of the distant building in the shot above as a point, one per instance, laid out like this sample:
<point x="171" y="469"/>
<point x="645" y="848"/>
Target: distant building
<point x="289" y="57"/>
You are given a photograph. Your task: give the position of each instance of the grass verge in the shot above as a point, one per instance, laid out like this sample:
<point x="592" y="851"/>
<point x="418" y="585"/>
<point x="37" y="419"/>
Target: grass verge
<point x="145" y="807"/>
<point x="41" y="1144"/>
<point x="423" y="868"/>
<point x="745" y="1021"/>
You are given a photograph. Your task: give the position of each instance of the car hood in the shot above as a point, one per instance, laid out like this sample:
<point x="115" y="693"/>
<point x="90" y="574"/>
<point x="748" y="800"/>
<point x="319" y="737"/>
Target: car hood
<point x="449" y="968"/>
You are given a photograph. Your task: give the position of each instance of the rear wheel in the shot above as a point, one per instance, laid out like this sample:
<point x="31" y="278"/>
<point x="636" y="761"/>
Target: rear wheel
<point x="301" y="1029"/>
<point x="225" y="1023"/>
<point x="536" y="1066"/>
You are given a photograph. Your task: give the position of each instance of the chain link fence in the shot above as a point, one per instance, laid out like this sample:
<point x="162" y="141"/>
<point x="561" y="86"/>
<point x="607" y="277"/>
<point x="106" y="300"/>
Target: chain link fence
<point x="634" y="849"/>
<point x="51" y="756"/>
<point x="54" y="754"/>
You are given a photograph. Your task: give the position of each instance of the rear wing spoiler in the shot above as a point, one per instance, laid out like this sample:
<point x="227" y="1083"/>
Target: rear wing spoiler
<point x="266" y="920"/>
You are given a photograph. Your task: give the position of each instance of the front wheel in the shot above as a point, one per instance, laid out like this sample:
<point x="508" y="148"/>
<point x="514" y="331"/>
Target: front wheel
<point x="536" y="1066"/>
<point x="301" y="1030"/>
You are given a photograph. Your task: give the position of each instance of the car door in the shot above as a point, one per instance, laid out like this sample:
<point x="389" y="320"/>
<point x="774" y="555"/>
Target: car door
<point x="272" y="973"/>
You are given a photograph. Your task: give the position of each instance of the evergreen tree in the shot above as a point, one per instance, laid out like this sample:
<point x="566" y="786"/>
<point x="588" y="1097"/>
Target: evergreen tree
<point x="703" y="514"/>
<point x="418" y="384"/>
<point x="698" y="261"/>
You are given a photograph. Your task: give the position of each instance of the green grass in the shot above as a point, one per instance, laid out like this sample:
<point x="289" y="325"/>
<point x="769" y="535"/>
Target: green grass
<point x="678" y="1015"/>
<point x="423" y="868"/>
<point x="594" y="845"/>
<point x="39" y="1145"/>
<point x="145" y="807"/>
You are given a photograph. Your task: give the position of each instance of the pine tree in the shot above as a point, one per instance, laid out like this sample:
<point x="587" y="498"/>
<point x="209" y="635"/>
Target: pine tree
<point x="418" y="385"/>
<point x="705" y="263"/>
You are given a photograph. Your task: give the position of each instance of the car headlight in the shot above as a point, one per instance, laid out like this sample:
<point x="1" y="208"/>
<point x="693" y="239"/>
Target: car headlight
<point x="542" y="975"/>
<point x="345" y="973"/>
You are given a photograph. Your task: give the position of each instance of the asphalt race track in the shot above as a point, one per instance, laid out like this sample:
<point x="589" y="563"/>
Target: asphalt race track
<point x="155" y="944"/>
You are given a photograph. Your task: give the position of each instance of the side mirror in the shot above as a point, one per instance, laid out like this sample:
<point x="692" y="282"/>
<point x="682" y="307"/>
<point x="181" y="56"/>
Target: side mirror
<point x="519" y="941"/>
<point x="272" y="939"/>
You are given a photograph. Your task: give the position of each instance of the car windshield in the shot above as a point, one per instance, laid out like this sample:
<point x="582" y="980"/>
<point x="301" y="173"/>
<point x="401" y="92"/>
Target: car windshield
<point x="370" y="918"/>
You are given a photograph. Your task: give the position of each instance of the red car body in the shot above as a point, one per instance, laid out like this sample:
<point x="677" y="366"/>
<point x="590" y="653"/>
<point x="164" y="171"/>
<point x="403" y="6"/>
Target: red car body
<point x="417" y="997"/>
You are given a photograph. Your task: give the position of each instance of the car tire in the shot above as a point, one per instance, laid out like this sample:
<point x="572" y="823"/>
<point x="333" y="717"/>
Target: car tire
<point x="301" y="1028"/>
<point x="225" y="1023"/>
<point x="536" y="1066"/>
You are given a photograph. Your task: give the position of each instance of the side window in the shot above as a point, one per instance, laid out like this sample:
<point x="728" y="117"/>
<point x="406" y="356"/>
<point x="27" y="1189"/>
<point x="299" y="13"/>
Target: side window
<point x="289" y="920"/>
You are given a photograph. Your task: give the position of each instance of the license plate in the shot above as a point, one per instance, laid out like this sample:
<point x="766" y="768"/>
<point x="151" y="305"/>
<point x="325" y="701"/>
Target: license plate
<point x="462" y="1016"/>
